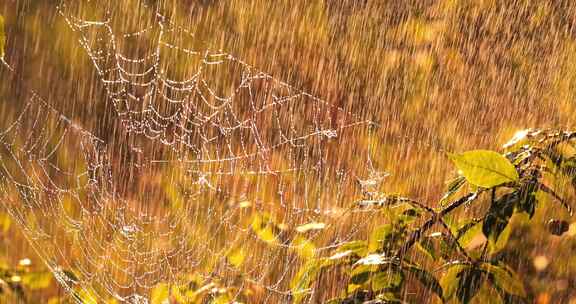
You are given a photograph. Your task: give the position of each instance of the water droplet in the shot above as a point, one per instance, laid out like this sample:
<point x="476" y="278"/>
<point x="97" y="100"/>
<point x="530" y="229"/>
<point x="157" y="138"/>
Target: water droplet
<point x="330" y="133"/>
<point x="129" y="230"/>
<point x="137" y="299"/>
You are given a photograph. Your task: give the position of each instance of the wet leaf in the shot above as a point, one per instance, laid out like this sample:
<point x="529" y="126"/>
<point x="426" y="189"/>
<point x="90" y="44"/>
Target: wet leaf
<point x="505" y="278"/>
<point x="387" y="297"/>
<point x="426" y="245"/>
<point x="351" y="250"/>
<point x="358" y="247"/>
<point x="451" y="280"/>
<point x="485" y="168"/>
<point x="426" y="278"/>
<point x="470" y="281"/>
<point x="519" y="138"/>
<point x="310" y="226"/>
<point x="378" y="236"/>
<point x="489" y="294"/>
<point x="376" y="259"/>
<point x="341" y="255"/>
<point x="361" y="274"/>
<point x="502" y="241"/>
<point x="468" y="230"/>
<point x="499" y="215"/>
<point x="453" y="187"/>
<point x="387" y="280"/>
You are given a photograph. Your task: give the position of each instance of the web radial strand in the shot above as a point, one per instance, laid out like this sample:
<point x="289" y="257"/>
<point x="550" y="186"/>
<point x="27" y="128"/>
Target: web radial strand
<point x="227" y="159"/>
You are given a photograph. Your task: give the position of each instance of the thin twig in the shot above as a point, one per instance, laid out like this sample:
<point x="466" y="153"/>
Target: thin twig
<point x="417" y="234"/>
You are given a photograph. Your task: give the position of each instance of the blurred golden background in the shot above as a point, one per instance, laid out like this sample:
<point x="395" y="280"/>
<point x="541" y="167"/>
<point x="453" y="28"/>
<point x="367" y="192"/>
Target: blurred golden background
<point x="436" y="76"/>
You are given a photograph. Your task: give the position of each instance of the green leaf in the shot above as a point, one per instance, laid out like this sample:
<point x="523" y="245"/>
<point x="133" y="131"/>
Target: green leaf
<point x="470" y="281"/>
<point x="348" y="251"/>
<point x="360" y="275"/>
<point x="505" y="278"/>
<point x="379" y="236"/>
<point x="426" y="278"/>
<point x="359" y="248"/>
<point x="489" y="294"/>
<point x="451" y="280"/>
<point x="499" y="215"/>
<point x="390" y="279"/>
<point x="468" y="232"/>
<point x="453" y="187"/>
<point x="426" y="245"/>
<point x="485" y="168"/>
<point x="502" y="241"/>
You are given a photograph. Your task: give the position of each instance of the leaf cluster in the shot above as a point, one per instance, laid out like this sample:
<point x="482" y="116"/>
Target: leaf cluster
<point x="502" y="186"/>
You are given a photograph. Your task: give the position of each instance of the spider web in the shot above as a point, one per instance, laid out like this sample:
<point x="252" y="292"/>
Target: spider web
<point x="245" y="160"/>
<point x="217" y="109"/>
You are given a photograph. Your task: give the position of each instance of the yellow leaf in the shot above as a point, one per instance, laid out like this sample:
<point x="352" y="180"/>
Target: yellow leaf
<point x="304" y="247"/>
<point x="160" y="294"/>
<point x="485" y="168"/>
<point x="310" y="226"/>
<point x="264" y="227"/>
<point x="236" y="257"/>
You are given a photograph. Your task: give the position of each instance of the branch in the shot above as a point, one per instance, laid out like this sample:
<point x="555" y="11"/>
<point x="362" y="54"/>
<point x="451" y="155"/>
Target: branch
<point x="451" y="235"/>
<point x="454" y="240"/>
<point x="562" y="201"/>
<point x="417" y="234"/>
